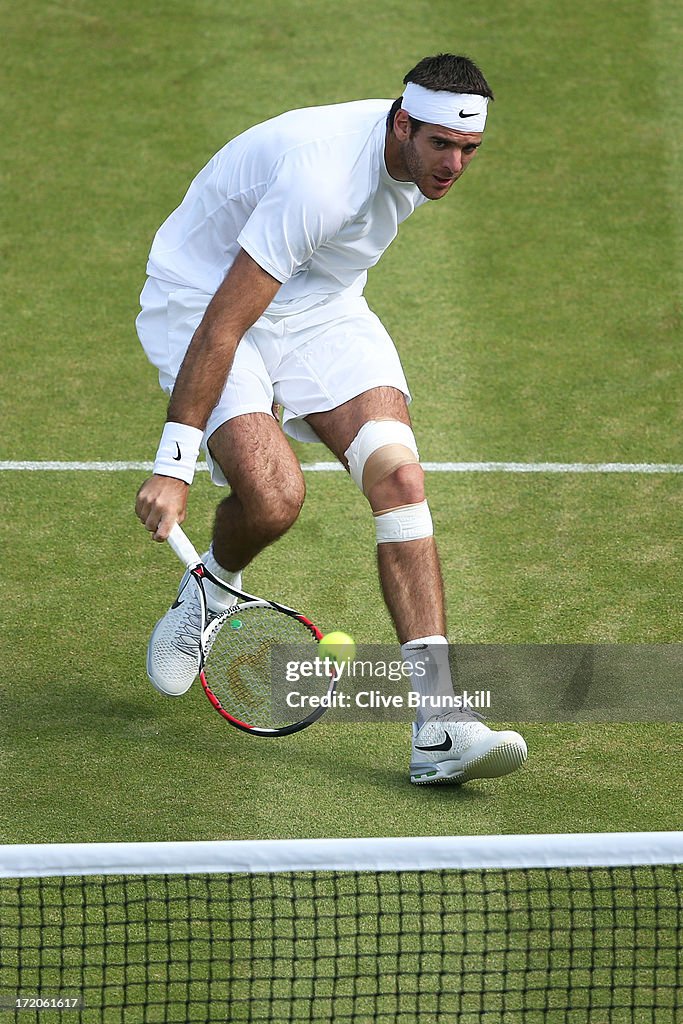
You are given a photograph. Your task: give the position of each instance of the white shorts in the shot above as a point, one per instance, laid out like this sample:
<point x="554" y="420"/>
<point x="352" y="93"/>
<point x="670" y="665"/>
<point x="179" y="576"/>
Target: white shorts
<point x="306" y="362"/>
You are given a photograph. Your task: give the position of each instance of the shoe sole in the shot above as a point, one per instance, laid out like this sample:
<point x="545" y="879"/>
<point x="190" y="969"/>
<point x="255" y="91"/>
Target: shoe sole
<point x="502" y="759"/>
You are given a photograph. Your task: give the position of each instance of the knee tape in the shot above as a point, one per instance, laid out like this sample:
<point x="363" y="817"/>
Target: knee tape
<point x="380" y="447"/>
<point x="409" y="522"/>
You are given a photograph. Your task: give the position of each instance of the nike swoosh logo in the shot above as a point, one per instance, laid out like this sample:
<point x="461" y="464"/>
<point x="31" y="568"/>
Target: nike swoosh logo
<point x="445" y="744"/>
<point x="178" y="457"/>
<point x="463" y="114"/>
<point x="177" y="603"/>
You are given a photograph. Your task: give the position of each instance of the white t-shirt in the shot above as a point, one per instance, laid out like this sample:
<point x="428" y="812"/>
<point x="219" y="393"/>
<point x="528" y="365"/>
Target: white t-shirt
<point x="306" y="194"/>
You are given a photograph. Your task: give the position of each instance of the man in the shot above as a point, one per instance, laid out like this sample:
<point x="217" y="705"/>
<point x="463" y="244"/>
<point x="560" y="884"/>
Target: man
<point x="254" y="297"/>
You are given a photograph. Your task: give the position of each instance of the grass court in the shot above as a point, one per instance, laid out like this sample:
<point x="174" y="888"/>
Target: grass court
<point x="537" y="316"/>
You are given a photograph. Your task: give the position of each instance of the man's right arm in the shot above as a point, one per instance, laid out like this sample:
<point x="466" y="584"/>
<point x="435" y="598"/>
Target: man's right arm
<point x="240" y="300"/>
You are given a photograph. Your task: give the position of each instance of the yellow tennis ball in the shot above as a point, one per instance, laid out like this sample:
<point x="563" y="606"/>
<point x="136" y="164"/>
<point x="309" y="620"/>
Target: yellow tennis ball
<point x="338" y="646"/>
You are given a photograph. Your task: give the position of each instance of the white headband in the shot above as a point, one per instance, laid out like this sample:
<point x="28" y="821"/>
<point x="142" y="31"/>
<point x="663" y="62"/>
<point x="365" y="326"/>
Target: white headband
<point x="463" y="112"/>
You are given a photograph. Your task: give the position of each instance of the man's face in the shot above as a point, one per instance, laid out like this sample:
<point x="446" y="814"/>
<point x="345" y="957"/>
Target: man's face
<point x="435" y="157"/>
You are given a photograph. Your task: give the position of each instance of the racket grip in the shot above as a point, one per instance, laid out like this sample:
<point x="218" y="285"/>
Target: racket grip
<point x="182" y="546"/>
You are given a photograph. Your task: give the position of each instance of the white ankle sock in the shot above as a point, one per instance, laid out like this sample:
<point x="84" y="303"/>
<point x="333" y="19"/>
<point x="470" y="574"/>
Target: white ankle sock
<point x="430" y="674"/>
<point x="218" y="600"/>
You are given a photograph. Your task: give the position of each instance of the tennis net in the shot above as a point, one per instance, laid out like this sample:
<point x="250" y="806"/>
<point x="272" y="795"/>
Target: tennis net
<point x="493" y="930"/>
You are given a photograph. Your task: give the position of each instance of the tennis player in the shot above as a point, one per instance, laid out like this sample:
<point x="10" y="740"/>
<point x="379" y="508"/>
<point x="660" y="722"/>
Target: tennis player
<point x="254" y="297"/>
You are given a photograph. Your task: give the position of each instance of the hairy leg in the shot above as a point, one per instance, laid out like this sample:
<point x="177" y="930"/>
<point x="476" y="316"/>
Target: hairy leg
<point x="409" y="571"/>
<point x="412" y="586"/>
<point x="267" y="488"/>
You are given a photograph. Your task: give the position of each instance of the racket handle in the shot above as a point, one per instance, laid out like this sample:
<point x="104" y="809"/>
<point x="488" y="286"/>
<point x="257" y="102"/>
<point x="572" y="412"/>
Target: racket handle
<point x="182" y="546"/>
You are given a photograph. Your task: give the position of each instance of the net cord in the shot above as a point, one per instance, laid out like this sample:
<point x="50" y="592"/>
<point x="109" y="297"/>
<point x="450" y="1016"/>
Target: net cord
<point x="602" y="849"/>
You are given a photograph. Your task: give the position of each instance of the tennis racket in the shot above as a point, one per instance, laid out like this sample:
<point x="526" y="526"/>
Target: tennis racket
<point x="237" y="648"/>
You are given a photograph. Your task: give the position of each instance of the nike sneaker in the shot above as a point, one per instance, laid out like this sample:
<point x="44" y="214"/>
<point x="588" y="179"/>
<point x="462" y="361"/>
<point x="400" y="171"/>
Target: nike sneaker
<point x="457" y="751"/>
<point x="173" y="649"/>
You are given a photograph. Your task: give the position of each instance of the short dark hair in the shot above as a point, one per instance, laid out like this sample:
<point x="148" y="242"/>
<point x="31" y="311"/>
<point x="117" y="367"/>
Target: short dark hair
<point x="449" y="73"/>
<point x="445" y="72"/>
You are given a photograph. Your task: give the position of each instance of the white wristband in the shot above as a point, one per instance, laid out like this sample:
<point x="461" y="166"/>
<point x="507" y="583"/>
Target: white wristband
<point x="178" y="451"/>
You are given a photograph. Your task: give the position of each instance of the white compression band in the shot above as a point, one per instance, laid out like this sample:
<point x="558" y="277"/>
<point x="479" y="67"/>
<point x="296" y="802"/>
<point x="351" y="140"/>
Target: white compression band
<point x="409" y="522"/>
<point x="178" y="451"/>
<point x="463" y="112"/>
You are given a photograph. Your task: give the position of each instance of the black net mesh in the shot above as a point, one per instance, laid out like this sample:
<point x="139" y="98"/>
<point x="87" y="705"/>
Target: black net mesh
<point x="576" y="945"/>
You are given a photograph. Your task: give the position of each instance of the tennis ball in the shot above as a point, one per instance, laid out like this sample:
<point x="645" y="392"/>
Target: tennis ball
<point x="338" y="646"/>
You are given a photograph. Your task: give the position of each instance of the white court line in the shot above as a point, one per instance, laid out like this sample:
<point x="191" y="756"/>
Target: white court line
<point x="431" y="467"/>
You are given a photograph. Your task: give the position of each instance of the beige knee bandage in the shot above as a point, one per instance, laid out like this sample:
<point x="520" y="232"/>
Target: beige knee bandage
<point x="379" y="448"/>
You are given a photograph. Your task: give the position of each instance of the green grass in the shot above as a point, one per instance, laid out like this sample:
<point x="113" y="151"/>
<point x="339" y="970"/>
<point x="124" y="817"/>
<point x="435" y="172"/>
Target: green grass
<point x="93" y="753"/>
<point x="536" y="310"/>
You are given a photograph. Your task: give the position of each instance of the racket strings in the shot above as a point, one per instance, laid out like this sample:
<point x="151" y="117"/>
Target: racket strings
<point x="240" y="663"/>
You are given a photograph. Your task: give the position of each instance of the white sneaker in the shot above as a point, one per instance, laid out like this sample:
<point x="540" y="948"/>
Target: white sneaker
<point x="457" y="751"/>
<point x="173" y="650"/>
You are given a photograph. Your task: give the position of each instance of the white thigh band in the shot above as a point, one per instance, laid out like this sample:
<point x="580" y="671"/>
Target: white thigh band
<point x="409" y="522"/>
<point x="380" y="447"/>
